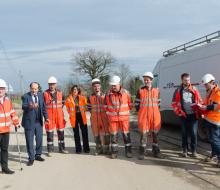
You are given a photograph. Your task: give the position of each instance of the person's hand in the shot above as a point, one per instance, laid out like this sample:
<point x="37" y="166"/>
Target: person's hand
<point x="36" y="105"/>
<point x="47" y="121"/>
<point x="31" y="106"/>
<point x="17" y="127"/>
<point x="201" y="107"/>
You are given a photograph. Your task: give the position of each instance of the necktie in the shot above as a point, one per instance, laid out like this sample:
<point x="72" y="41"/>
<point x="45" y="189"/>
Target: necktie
<point x="35" y="99"/>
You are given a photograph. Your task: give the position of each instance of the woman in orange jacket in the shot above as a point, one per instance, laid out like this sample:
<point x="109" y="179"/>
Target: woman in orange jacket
<point x="76" y="106"/>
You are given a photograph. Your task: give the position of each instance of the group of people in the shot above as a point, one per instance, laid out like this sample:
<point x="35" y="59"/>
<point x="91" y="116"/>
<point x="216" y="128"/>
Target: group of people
<point x="109" y="114"/>
<point x="189" y="106"/>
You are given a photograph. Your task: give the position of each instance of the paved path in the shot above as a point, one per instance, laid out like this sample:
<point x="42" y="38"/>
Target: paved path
<point x="89" y="172"/>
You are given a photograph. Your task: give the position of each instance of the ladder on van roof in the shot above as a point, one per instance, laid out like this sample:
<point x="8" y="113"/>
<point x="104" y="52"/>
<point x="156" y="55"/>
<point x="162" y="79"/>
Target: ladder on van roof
<point x="200" y="41"/>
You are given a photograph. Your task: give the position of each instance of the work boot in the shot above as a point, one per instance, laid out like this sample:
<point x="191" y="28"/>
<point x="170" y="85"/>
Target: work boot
<point x="106" y="149"/>
<point x="98" y="145"/>
<point x="128" y="151"/>
<point x="114" y="155"/>
<point x="62" y="148"/>
<point x="141" y="153"/>
<point x="49" y="154"/>
<point x="98" y="150"/>
<point x="7" y="171"/>
<point x="114" y="144"/>
<point x="156" y="151"/>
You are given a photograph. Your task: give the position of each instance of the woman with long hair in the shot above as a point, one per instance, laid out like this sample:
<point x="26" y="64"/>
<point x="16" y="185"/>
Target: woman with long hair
<point x="76" y="106"/>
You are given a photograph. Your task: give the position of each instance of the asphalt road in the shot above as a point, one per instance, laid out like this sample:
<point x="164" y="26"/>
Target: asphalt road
<point x="89" y="172"/>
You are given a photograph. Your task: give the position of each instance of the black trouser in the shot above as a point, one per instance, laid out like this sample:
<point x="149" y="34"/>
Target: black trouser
<point x="4" y="141"/>
<point x="84" y="130"/>
<point x="61" y="144"/>
<point x="37" y="132"/>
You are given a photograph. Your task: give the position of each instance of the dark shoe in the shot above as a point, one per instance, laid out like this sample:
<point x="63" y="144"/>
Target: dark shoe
<point x="39" y="158"/>
<point x="30" y="162"/>
<point x="7" y="171"/>
<point x="78" y="152"/>
<point x="87" y="151"/>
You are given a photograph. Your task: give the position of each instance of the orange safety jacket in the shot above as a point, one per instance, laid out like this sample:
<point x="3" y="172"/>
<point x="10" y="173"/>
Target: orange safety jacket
<point x="147" y="104"/>
<point x="177" y="101"/>
<point x="212" y="101"/>
<point x="55" y="111"/>
<point x="96" y="106"/>
<point x="71" y="109"/>
<point x="118" y="105"/>
<point x="7" y="113"/>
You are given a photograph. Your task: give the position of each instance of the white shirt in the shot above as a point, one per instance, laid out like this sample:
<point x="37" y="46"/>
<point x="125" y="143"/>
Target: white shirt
<point x="33" y="98"/>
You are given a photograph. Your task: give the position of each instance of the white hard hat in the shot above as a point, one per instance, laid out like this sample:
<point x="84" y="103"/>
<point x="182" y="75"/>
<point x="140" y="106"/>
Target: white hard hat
<point x="148" y="74"/>
<point x="3" y="84"/>
<point x="52" y="80"/>
<point x="114" y="80"/>
<point x="96" y="80"/>
<point x="207" y="78"/>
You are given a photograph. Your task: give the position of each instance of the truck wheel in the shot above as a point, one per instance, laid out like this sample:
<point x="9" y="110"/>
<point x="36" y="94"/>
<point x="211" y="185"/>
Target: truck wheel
<point x="202" y="132"/>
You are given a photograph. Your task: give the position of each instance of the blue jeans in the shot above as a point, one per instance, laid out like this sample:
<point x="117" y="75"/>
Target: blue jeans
<point x="189" y="125"/>
<point x="214" y="137"/>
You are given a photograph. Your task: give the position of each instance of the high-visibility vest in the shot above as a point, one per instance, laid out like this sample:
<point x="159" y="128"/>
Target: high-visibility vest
<point x="213" y="116"/>
<point x="148" y="101"/>
<point x="177" y="99"/>
<point x="55" y="111"/>
<point x="118" y="105"/>
<point x="7" y="113"/>
<point x="71" y="109"/>
<point x="96" y="105"/>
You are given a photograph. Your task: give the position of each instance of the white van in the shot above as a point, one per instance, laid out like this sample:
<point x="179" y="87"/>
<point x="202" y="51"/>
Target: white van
<point x="197" y="58"/>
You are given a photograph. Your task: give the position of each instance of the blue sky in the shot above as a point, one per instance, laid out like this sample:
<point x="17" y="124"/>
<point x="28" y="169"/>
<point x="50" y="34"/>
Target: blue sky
<point x="41" y="36"/>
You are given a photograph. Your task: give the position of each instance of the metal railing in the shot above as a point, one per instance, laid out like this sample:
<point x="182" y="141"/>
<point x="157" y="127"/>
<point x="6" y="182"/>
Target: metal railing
<point x="189" y="45"/>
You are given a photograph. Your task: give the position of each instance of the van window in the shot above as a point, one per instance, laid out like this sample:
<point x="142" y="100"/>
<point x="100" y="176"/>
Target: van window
<point x="155" y="81"/>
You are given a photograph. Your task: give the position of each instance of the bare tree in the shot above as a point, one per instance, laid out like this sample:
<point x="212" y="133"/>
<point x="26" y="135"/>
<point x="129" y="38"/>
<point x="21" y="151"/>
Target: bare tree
<point x="124" y="73"/>
<point x="93" y="63"/>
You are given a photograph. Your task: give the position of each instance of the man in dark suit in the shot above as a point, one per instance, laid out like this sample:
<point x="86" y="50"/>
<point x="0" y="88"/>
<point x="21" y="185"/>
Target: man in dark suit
<point x="33" y="112"/>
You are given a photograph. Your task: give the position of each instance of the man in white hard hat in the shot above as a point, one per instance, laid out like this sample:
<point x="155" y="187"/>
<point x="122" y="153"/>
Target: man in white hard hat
<point x="118" y="106"/>
<point x="99" y="122"/>
<point x="54" y="103"/>
<point x="211" y="110"/>
<point x="7" y="114"/>
<point x="147" y="104"/>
